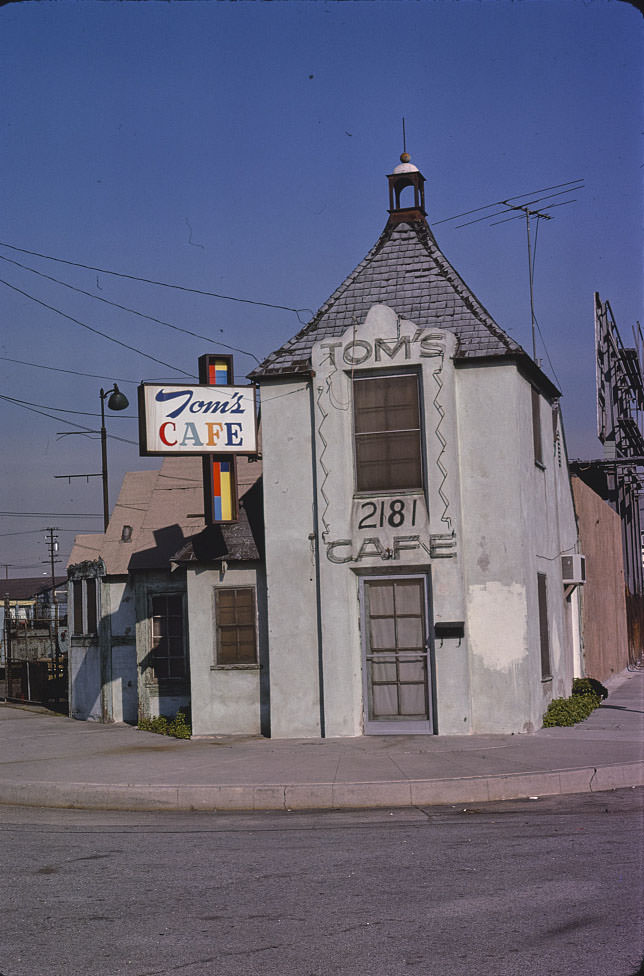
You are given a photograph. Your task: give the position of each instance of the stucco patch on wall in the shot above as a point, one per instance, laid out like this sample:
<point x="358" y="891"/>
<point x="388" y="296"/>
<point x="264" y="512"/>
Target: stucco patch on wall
<point x="498" y="624"/>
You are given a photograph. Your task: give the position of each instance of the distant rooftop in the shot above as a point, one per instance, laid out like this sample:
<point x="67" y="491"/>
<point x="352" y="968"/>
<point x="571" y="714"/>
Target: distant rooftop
<point x="29" y="587"/>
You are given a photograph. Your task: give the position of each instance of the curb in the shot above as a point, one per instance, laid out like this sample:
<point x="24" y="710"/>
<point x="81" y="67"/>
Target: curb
<point x="322" y="796"/>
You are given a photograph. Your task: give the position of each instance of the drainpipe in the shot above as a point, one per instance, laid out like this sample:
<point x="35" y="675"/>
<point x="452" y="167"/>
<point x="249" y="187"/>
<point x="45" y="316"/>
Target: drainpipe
<point x="316" y="552"/>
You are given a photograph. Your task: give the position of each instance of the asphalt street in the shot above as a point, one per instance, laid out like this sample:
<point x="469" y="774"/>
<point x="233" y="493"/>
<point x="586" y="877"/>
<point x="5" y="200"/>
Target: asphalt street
<point x="532" y="887"/>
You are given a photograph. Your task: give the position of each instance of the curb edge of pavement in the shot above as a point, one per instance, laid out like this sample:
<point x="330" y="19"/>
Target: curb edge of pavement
<point x="321" y="796"/>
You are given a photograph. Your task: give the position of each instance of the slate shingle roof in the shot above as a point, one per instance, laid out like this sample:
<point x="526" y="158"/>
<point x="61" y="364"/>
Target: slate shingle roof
<point x="407" y="271"/>
<point x="236" y="541"/>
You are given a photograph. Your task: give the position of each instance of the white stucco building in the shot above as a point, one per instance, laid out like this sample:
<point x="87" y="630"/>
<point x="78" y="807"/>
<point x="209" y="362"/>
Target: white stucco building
<point x="167" y="613"/>
<point x="406" y="575"/>
<point x="417" y="504"/>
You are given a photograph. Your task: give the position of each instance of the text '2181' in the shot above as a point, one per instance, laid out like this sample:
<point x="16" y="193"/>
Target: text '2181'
<point x="394" y="512"/>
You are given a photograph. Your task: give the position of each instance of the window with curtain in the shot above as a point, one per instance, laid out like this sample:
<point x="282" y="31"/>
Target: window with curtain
<point x="387" y="433"/>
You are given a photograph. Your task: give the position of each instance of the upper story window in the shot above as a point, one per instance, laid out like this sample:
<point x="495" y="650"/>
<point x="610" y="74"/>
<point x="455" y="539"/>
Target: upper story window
<point x="387" y="430"/>
<point x="536" y="427"/>
<point x="85" y="606"/>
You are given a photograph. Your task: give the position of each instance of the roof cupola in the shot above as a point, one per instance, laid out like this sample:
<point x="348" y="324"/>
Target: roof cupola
<point x="406" y="175"/>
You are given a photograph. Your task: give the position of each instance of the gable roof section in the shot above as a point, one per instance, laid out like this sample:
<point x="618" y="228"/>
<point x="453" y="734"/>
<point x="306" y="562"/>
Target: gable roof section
<point x="407" y="271"/>
<point x="164" y="510"/>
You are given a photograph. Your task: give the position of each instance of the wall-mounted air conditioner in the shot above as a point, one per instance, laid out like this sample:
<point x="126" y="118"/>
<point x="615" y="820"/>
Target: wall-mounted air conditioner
<point x="573" y="569"/>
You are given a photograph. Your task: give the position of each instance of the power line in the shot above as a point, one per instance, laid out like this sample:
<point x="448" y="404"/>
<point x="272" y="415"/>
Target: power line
<point x="6" y="535"/>
<point x="46" y="406"/>
<point x="62" y="420"/>
<point x="161" y="284"/>
<point x="498" y="203"/>
<point x="90" y="328"/>
<point x="126" y="308"/>
<point x="51" y="515"/>
<point x="99" y="376"/>
<point x="74" y="372"/>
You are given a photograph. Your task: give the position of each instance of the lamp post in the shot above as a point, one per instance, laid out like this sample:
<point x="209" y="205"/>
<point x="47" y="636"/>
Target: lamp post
<point x="117" y="401"/>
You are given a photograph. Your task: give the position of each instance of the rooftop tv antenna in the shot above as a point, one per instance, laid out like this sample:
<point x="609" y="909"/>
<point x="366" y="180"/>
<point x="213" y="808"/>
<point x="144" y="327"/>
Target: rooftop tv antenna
<point x="528" y="209"/>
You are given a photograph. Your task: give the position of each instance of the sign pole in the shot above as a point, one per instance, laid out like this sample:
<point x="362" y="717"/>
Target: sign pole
<point x="219" y="471"/>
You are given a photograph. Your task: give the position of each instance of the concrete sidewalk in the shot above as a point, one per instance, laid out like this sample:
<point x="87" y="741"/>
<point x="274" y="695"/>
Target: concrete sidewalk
<point x="49" y="760"/>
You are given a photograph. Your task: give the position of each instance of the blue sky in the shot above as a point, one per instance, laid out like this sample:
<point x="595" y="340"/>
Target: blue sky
<point x="242" y="148"/>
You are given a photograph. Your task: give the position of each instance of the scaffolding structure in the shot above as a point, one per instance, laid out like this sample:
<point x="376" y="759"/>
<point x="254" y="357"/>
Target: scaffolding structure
<point x="620" y="473"/>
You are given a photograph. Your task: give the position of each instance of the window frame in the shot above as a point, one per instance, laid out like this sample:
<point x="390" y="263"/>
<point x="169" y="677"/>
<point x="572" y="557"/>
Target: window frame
<point x="537" y="432"/>
<point x="84" y="622"/>
<point x="361" y="489"/>
<point x="175" y="681"/>
<point x="544" y="627"/>
<point x="239" y="664"/>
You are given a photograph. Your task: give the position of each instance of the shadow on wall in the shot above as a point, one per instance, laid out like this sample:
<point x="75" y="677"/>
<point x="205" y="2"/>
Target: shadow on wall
<point x="169" y="540"/>
<point x="115" y="668"/>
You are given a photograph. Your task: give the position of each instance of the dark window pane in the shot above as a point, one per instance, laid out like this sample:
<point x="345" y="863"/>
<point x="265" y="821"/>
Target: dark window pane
<point x="91" y="605"/>
<point x="160" y="666"/>
<point x="177" y="668"/>
<point x="174" y="606"/>
<point x="536" y="427"/>
<point x="78" y="606"/>
<point x="168" y="642"/>
<point x="175" y="626"/>
<point x="544" y="638"/>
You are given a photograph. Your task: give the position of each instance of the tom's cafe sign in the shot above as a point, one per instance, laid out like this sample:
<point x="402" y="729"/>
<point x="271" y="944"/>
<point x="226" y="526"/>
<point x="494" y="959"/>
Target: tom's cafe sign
<point x="213" y="418"/>
<point x="195" y="419"/>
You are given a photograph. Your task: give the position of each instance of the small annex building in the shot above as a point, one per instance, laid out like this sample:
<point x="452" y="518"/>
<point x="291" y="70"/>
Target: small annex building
<point x="167" y="613"/>
<point x="417" y="505"/>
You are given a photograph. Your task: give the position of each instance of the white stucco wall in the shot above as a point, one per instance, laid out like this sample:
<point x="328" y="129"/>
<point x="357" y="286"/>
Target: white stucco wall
<point x="488" y="521"/>
<point x="517" y="520"/>
<point x="118" y="633"/>
<point x="289" y="501"/>
<point x="225" y="699"/>
<point x="85" y="680"/>
<point x="356" y="538"/>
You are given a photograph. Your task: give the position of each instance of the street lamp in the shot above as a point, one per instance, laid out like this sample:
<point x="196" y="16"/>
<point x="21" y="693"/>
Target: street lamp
<point x="117" y="401"/>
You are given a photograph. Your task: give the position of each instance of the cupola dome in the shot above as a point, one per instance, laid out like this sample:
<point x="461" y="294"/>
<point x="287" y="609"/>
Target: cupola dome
<point x="406" y="175"/>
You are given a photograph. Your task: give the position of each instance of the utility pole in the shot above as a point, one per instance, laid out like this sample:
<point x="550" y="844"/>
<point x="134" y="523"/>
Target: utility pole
<point x="52" y="543"/>
<point x="115" y="401"/>
<point x="7" y="646"/>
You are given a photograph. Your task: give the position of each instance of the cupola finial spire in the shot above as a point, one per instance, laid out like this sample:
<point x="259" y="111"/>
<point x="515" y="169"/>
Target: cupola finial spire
<point x="404" y="175"/>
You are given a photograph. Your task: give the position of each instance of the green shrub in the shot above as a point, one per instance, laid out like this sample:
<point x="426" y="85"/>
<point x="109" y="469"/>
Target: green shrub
<point x="569" y="711"/>
<point x="179" y="726"/>
<point x="589" y="686"/>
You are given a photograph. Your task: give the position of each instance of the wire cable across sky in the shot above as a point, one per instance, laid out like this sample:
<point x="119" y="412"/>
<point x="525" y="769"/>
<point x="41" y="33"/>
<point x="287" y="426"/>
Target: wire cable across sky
<point x="160" y="284"/>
